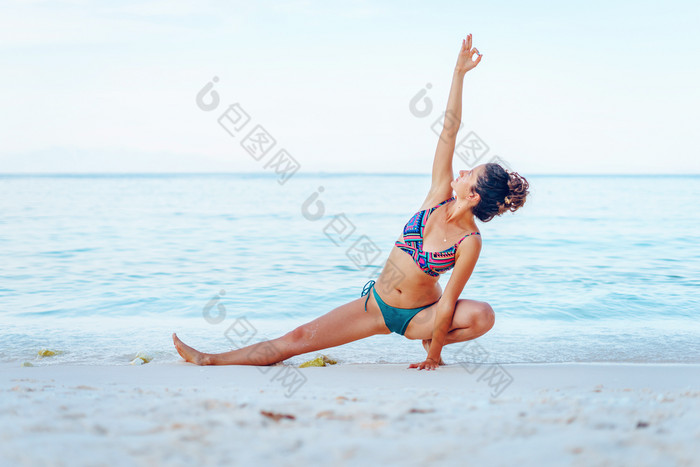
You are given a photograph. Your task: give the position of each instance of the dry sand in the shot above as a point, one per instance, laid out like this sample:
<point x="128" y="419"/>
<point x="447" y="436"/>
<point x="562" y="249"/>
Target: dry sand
<point x="181" y="414"/>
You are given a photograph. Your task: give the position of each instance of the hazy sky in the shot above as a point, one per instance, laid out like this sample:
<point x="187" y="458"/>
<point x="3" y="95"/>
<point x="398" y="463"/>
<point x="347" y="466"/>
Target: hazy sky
<point x="585" y="87"/>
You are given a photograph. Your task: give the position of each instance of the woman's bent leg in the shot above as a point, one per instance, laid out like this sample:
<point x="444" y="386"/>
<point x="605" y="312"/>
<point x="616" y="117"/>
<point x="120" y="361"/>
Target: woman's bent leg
<point x="471" y="319"/>
<point x="341" y="325"/>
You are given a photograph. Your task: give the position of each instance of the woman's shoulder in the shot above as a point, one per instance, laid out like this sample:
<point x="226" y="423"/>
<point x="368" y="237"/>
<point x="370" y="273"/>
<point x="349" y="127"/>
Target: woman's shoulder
<point x="471" y="247"/>
<point x="434" y="199"/>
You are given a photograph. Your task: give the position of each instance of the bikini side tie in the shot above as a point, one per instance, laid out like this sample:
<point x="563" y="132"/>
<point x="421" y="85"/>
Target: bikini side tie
<point x="365" y="291"/>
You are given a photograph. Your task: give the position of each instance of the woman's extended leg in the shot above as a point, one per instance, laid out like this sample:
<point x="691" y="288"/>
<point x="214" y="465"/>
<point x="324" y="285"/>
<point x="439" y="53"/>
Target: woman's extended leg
<point x="341" y="325"/>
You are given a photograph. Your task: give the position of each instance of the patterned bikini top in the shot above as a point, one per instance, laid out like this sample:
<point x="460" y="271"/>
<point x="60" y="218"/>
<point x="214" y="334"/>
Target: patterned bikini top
<point x="432" y="263"/>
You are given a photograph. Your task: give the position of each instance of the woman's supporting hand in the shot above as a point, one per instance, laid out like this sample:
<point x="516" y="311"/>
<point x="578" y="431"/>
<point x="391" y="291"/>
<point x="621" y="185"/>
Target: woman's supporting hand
<point x="428" y="364"/>
<point x="465" y="60"/>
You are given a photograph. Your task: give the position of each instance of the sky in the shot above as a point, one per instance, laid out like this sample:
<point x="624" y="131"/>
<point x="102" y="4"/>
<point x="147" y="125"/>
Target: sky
<point x="563" y="87"/>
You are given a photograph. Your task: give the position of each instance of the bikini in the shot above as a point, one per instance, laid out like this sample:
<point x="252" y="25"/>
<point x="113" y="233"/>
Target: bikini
<point x="432" y="263"/>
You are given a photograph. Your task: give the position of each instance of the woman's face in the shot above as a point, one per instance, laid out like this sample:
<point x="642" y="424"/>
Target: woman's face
<point x="466" y="181"/>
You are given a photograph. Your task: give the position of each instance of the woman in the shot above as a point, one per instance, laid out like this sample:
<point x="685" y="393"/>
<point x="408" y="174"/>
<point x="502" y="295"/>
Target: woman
<point x="406" y="298"/>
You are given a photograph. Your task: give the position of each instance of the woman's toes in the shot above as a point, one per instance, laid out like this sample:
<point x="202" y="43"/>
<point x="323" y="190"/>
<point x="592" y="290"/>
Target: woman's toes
<point x="188" y="353"/>
<point x="179" y="347"/>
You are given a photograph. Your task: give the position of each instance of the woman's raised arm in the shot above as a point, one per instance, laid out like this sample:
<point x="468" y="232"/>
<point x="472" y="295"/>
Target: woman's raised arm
<point x="442" y="164"/>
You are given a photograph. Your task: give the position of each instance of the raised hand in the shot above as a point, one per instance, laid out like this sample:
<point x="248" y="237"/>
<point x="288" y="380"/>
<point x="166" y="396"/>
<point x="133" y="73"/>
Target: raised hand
<point x="465" y="60"/>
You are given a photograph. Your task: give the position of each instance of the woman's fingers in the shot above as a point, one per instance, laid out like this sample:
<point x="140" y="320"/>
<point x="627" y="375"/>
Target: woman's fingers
<point x="424" y="365"/>
<point x="478" y="56"/>
<point x="469" y="42"/>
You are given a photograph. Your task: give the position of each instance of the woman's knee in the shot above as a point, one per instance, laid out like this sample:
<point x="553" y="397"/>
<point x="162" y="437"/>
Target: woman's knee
<point x="299" y="335"/>
<point x="474" y="314"/>
<point x="484" y="316"/>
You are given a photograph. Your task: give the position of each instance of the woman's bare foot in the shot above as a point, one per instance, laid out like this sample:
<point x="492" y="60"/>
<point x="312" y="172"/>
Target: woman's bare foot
<point x="188" y="353"/>
<point x="426" y="346"/>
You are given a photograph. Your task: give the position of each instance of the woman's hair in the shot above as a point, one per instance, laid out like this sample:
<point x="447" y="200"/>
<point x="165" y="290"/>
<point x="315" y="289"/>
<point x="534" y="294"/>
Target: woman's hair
<point x="500" y="191"/>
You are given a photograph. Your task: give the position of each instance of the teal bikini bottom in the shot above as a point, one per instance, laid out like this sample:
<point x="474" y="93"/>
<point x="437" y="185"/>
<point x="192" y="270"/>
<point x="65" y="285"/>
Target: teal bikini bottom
<point x="396" y="319"/>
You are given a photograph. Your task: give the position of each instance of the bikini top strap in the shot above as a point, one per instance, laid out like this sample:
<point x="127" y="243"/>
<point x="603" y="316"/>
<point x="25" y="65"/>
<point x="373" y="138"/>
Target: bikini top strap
<point x="440" y="204"/>
<point x="428" y="212"/>
<point x="460" y="240"/>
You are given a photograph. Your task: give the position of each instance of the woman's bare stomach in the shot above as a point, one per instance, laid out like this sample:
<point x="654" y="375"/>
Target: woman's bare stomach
<point x="402" y="284"/>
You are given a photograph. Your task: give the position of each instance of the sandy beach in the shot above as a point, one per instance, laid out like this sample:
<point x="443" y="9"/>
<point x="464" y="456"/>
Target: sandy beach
<point x="181" y="414"/>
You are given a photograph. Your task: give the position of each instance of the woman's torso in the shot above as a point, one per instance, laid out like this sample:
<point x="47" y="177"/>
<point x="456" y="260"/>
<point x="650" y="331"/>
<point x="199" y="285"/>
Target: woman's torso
<point x="403" y="283"/>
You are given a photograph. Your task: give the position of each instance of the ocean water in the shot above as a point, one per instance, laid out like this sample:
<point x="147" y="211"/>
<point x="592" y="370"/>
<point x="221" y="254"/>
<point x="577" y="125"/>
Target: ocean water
<point x="591" y="269"/>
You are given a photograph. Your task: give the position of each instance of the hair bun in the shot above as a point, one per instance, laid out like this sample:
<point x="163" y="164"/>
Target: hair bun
<point x="500" y="190"/>
<point x="518" y="187"/>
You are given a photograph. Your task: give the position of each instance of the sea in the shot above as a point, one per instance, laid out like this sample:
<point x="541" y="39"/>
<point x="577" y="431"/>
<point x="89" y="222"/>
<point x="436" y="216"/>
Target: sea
<point x="102" y="268"/>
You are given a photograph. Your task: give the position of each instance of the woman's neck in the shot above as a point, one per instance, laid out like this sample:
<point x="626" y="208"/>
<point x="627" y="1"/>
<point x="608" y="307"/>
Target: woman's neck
<point x="460" y="214"/>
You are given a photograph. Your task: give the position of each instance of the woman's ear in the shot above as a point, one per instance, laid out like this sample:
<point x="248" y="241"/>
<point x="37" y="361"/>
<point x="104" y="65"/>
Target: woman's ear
<point x="474" y="197"/>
